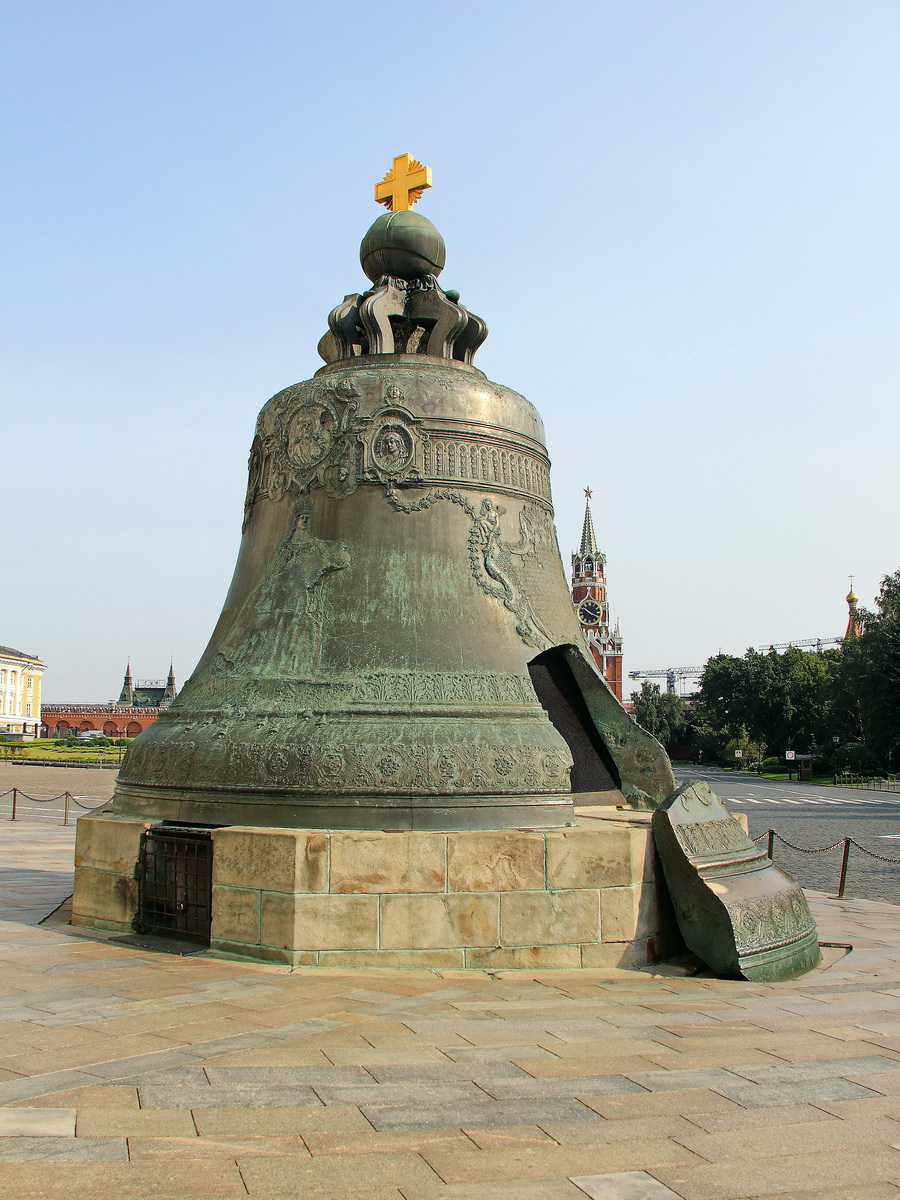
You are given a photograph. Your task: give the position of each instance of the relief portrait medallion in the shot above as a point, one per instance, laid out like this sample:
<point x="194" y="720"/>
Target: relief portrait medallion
<point x="392" y="448"/>
<point x="311" y="434"/>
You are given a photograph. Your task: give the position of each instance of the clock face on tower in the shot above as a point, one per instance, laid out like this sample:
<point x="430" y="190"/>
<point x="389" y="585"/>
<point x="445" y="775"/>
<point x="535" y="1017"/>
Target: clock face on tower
<point x="589" y="612"/>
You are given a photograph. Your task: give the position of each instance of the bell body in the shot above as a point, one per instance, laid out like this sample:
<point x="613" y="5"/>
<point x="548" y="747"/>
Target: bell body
<point x="398" y="598"/>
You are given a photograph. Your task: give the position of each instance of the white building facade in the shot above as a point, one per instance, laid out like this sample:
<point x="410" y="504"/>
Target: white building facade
<point x="20" y="692"/>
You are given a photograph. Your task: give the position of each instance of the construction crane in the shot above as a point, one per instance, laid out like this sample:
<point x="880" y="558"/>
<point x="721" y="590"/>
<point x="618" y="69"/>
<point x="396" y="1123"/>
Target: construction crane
<point x="817" y="642"/>
<point x="674" y="675"/>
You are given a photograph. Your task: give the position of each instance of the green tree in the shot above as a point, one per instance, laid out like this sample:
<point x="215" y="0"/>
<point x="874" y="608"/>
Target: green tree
<point x="842" y="705"/>
<point x="771" y="701"/>
<point x="789" y="698"/>
<point x="872" y="675"/>
<point x="662" y="714"/>
<point x="720" y="709"/>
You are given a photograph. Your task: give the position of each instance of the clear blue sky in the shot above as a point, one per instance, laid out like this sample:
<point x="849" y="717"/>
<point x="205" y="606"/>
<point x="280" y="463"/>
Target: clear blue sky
<point x="680" y="221"/>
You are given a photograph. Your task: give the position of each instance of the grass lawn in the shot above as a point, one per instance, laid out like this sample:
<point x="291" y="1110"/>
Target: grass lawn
<point x="49" y="750"/>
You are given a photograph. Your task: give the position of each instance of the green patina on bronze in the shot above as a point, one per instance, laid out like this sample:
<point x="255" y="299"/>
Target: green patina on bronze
<point x="399" y="572"/>
<point x="405" y="244"/>
<point x="745" y="917"/>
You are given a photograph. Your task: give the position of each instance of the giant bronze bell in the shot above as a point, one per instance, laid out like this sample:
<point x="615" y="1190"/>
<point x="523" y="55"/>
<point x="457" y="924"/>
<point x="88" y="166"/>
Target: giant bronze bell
<point x="398" y="648"/>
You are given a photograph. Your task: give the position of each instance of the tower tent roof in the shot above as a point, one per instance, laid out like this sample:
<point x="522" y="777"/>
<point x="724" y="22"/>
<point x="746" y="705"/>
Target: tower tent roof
<point x="588" y="537"/>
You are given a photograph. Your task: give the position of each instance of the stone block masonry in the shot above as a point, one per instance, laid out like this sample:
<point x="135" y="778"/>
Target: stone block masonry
<point x="590" y="895"/>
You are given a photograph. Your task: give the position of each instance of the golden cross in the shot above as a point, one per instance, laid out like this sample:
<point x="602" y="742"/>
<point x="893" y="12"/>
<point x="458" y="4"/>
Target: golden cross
<point x="404" y="183"/>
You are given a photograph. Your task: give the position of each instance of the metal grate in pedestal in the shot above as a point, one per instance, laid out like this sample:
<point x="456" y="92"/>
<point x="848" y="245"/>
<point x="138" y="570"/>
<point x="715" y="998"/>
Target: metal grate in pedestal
<point x="174" y="877"/>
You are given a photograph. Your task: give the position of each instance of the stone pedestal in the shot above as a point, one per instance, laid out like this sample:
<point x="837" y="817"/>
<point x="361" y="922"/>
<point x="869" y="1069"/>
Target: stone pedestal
<point x="591" y="895"/>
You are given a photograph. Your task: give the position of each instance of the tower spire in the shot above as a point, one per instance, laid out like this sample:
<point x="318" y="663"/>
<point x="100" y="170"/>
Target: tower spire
<point x="592" y="605"/>
<point x="127" y="694"/>
<point x="171" y="690"/>
<point x="588" y="537"/>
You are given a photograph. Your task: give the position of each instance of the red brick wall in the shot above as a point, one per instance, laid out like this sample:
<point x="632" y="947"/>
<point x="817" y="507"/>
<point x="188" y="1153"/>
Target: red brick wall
<point x="61" y="719"/>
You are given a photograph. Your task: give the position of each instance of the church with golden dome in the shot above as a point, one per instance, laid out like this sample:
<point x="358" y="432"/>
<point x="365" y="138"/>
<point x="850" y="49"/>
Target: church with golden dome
<point x="854" y="626"/>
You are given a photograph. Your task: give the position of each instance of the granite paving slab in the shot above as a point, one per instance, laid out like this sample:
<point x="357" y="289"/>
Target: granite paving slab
<point x="624" y="1185"/>
<point x="436" y="1072"/>
<point x="401" y="1093"/>
<point x="808" y="1091"/>
<point x="811" y="1176"/>
<point x="512" y="1189"/>
<point x="556" y="1085"/>
<point x="141" y="1064"/>
<point x="824" y="1137"/>
<point x="325" y="1077"/>
<point x="872" y="1064"/>
<point x="51" y="999"/>
<point x="302" y="1029"/>
<point x="666" y="1081"/>
<point x="498" y="1053"/>
<point x="57" y="1149"/>
<point x="188" y="1076"/>
<point x="37" y="1122"/>
<point x="43" y="1085"/>
<point x="223" y="1097"/>
<point x="230" y="1147"/>
<point x="476" y="1114"/>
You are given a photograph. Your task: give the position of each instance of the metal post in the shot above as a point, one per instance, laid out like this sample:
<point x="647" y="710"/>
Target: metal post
<point x="771" y="843"/>
<point x="66" y="818"/>
<point x="15" y="797"/>
<point x="844" y="861"/>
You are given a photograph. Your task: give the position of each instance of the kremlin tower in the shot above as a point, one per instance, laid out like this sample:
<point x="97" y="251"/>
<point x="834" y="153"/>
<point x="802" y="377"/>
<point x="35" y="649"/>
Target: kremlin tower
<point x="592" y="606"/>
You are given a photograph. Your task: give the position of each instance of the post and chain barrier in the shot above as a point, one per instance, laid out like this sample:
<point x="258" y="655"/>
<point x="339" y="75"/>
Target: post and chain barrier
<point x="874" y="783"/>
<point x="770" y="834"/>
<point x="69" y="799"/>
<point x="846" y="842"/>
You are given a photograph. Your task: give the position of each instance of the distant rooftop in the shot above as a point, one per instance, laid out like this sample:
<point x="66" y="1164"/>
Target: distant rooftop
<point x="10" y="653"/>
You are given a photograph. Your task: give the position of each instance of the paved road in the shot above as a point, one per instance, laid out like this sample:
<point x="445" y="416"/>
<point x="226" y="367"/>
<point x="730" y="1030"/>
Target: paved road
<point x="812" y="816"/>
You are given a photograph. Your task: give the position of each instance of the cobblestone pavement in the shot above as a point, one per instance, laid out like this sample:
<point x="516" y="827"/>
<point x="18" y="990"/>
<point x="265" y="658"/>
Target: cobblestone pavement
<point x="126" y="1072"/>
<point x="51" y="781"/>
<point x="35" y="869"/>
<point x="36" y="849"/>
